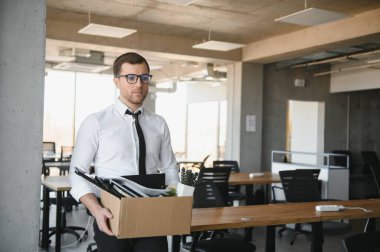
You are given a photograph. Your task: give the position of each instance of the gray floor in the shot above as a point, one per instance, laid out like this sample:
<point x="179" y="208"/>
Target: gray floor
<point x="79" y="217"/>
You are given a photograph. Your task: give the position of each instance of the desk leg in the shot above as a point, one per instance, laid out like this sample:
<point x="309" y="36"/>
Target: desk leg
<point x="58" y="222"/>
<point x="176" y="243"/>
<point x="249" y="201"/>
<point x="270" y="241"/>
<point x="45" y="218"/>
<point x="267" y="193"/>
<point x="249" y="194"/>
<point x="317" y="237"/>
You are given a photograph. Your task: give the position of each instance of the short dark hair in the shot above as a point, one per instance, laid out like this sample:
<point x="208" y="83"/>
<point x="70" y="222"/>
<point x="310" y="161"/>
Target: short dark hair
<point x="129" y="57"/>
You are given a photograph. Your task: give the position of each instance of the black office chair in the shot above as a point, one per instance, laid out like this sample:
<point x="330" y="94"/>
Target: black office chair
<point x="67" y="203"/>
<point x="219" y="176"/>
<point x="370" y="159"/>
<point x="192" y="164"/>
<point x="375" y="170"/>
<point x="233" y="191"/>
<point x="299" y="186"/>
<point x="364" y="242"/>
<point x="302" y="185"/>
<point x="372" y="164"/>
<point x="207" y="194"/>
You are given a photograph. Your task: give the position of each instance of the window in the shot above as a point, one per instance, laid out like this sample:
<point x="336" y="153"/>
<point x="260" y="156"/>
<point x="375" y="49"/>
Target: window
<point x="69" y="98"/>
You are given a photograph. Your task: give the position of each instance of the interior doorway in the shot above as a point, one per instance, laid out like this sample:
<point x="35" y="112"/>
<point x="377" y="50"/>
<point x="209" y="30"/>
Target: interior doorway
<point x="305" y="130"/>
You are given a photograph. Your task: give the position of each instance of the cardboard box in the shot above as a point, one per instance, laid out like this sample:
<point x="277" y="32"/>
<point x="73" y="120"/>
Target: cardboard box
<point x="146" y="217"/>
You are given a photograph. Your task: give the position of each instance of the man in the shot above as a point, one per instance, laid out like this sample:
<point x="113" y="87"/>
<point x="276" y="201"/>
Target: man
<point x="110" y="139"/>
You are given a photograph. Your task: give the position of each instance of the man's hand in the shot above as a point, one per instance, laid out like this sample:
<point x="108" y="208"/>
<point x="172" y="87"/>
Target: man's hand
<point x="100" y="213"/>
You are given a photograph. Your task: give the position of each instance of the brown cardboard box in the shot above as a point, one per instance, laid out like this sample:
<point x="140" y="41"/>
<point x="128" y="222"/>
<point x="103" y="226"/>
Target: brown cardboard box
<point x="145" y="217"/>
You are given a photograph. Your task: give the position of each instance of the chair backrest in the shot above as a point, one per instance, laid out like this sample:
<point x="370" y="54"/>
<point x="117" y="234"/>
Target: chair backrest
<point x="368" y="241"/>
<point x="375" y="170"/>
<point x="48" y="150"/>
<point x="227" y="163"/>
<point x="370" y="159"/>
<point x="300" y="185"/>
<point x="207" y="194"/>
<point x="219" y="176"/>
<point x="234" y="168"/>
<point x="66" y="152"/>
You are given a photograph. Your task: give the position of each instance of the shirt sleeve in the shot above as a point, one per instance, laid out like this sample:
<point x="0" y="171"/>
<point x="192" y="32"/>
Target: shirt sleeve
<point x="167" y="159"/>
<point x="83" y="155"/>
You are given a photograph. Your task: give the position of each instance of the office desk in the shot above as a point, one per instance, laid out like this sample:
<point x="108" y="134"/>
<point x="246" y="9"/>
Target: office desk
<point x="278" y="214"/>
<point x="242" y="178"/>
<point x="59" y="184"/>
<point x="63" y="166"/>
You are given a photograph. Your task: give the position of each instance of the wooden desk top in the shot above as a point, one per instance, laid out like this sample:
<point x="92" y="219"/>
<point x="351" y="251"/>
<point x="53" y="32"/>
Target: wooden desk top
<point x="277" y="214"/>
<point x="56" y="183"/>
<point x="373" y="205"/>
<point x="242" y="178"/>
<point x="59" y="164"/>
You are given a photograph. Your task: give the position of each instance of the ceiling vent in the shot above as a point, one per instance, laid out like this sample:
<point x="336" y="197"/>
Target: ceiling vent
<point x="85" y="61"/>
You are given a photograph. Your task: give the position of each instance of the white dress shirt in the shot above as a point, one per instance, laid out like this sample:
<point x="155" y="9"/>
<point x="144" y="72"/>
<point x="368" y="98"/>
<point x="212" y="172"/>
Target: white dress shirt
<point x="108" y="139"/>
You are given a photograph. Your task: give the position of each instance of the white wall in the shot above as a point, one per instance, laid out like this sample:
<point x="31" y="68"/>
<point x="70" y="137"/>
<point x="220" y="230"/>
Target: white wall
<point x="361" y="79"/>
<point x="22" y="48"/>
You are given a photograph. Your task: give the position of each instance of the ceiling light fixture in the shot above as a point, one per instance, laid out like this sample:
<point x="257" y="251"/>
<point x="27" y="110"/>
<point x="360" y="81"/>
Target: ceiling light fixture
<point x="104" y="30"/>
<point x="311" y="16"/>
<point x="217" y="45"/>
<point x="178" y="2"/>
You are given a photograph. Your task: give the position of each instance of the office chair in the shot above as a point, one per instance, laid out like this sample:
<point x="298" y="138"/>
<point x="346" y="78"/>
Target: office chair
<point x="299" y="186"/>
<point x="48" y="151"/>
<point x="192" y="164"/>
<point x="67" y="203"/>
<point x="66" y="153"/>
<point x="302" y="185"/>
<point x="364" y="242"/>
<point x="219" y="176"/>
<point x="376" y="177"/>
<point x="370" y="159"/>
<point x="207" y="194"/>
<point x="372" y="164"/>
<point x="233" y="191"/>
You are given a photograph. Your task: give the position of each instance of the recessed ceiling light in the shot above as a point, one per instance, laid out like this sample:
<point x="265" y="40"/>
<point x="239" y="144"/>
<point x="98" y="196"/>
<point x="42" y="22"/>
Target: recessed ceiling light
<point x="312" y="16"/>
<point x="106" y="30"/>
<point x="218" y="46"/>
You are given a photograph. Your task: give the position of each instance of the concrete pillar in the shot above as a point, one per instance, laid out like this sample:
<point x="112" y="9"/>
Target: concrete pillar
<point x="245" y="98"/>
<point x="22" y="50"/>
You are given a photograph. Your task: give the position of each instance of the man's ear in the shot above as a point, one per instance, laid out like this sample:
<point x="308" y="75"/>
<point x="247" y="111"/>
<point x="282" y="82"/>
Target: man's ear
<point x="116" y="81"/>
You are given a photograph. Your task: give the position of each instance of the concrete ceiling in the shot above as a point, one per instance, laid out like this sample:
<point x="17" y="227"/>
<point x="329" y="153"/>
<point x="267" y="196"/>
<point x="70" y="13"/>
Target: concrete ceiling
<point x="166" y="32"/>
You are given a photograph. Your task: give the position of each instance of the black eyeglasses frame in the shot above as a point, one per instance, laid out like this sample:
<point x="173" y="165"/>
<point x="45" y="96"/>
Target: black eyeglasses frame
<point x="137" y="77"/>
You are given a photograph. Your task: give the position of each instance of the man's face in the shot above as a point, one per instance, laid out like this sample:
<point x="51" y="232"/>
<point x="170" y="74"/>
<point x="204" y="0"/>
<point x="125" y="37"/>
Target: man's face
<point x="132" y="95"/>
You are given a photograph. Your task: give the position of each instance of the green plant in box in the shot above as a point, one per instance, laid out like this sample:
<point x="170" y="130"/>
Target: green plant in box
<point x="188" y="177"/>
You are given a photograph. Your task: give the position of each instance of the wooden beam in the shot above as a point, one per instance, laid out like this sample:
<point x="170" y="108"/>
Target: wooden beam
<point x="350" y="31"/>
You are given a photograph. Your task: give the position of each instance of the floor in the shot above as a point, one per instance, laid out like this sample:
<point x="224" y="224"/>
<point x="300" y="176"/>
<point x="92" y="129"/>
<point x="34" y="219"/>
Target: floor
<point x="79" y="217"/>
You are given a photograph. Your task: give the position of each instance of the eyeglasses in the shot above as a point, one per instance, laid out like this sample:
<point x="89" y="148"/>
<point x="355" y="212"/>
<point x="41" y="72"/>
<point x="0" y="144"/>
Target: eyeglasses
<point x="132" y="78"/>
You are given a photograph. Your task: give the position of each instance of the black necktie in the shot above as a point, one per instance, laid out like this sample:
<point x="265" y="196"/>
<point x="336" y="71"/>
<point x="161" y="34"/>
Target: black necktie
<point x="142" y="170"/>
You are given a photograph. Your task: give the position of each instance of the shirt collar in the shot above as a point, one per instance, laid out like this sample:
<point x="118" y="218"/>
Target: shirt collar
<point x="121" y="108"/>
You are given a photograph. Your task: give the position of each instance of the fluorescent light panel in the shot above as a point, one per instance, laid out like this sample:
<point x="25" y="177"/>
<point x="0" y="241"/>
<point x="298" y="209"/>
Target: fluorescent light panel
<point x="218" y="46"/>
<point x="178" y="2"/>
<point x="106" y="31"/>
<point x="312" y="16"/>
